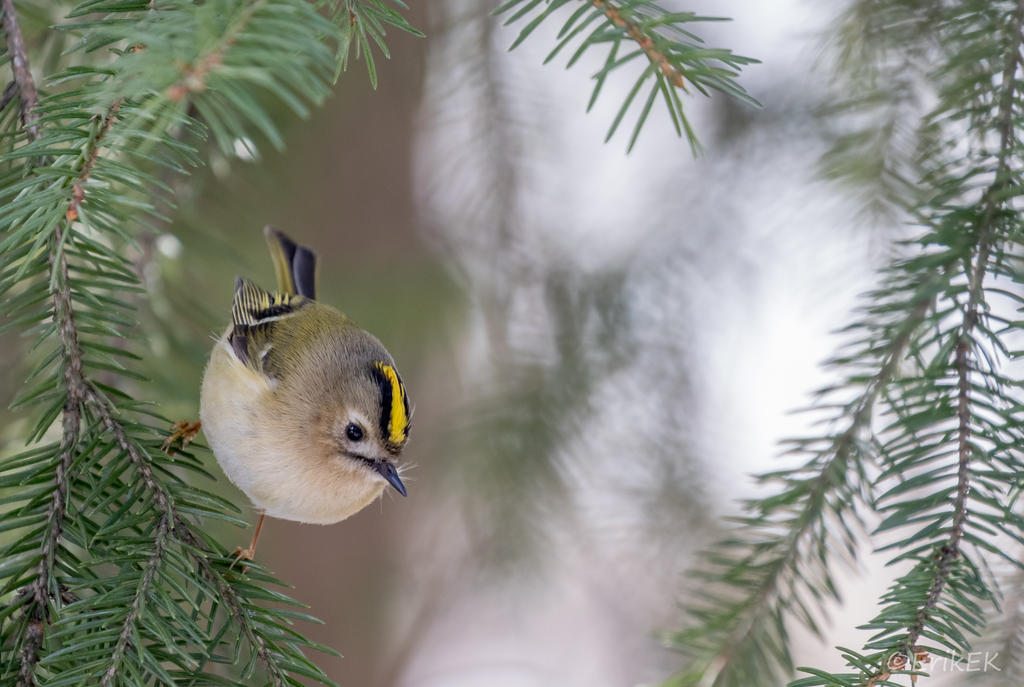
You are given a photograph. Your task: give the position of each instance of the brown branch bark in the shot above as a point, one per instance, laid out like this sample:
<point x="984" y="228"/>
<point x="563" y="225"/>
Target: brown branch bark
<point x="22" y="73"/>
<point x="78" y="188"/>
<point x="43" y="587"/>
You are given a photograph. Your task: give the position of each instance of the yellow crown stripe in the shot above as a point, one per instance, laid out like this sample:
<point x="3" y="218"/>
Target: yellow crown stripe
<point x="399" y="421"/>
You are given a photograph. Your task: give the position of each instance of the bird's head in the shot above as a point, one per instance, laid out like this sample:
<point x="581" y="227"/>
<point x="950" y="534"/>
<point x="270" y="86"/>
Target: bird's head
<point x="371" y="423"/>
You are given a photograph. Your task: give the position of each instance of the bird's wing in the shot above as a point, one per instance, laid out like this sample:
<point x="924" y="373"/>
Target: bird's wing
<point x="254" y="314"/>
<point x="294" y="265"/>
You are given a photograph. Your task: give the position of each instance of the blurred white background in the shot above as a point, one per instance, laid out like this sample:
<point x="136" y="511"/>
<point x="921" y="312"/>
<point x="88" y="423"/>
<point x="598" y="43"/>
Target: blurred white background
<point x="734" y="268"/>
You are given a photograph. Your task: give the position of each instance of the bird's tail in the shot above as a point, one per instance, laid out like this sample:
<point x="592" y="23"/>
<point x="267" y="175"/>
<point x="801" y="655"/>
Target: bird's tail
<point x="294" y="265"/>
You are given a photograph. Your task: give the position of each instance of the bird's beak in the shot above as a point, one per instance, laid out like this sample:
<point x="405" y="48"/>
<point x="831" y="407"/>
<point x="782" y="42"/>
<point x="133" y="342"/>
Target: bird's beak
<point x="388" y="471"/>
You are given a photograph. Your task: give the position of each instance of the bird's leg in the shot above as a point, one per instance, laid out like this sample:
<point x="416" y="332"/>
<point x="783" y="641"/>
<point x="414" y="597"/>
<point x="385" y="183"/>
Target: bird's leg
<point x="184" y="430"/>
<point x="249" y="553"/>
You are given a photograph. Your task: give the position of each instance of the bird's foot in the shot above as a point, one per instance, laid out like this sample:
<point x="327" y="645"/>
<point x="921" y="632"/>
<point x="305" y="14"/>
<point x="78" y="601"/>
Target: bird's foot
<point x="240" y="554"/>
<point x="184" y="431"/>
<point x="249" y="553"/>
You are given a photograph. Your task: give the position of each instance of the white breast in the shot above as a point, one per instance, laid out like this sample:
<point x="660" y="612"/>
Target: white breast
<point x="278" y="474"/>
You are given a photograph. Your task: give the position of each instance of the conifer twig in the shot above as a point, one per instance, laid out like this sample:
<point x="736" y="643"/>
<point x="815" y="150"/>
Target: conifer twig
<point x="645" y="42"/>
<point x="37" y="615"/>
<point x="181" y="529"/>
<point x="152" y="565"/>
<point x="63" y="313"/>
<point x="673" y="57"/>
<point x="193" y="79"/>
<point x="102" y="484"/>
<point x="22" y="73"/>
<point x="950" y="551"/>
<point x="754" y="607"/>
<point x="81" y="392"/>
<point x="78" y="188"/>
<point x="9" y="92"/>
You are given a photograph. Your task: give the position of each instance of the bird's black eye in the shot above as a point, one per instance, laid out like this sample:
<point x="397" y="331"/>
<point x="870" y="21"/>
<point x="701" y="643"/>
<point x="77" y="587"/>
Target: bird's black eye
<point x="354" y="432"/>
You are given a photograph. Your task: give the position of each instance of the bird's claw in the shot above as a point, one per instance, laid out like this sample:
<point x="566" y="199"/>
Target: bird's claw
<point x="185" y="431"/>
<point x="240" y="554"/>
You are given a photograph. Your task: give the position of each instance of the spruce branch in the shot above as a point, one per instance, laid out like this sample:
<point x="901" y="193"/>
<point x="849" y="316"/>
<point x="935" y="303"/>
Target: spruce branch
<point x="940" y="599"/>
<point x="675" y="56"/>
<point x="942" y="426"/>
<point x="194" y="76"/>
<point x="645" y="41"/>
<point x="26" y="87"/>
<point x="949" y="551"/>
<point x="182" y="530"/>
<point x="74" y="384"/>
<point x="10" y="91"/>
<point x="994" y="197"/>
<point x="128" y="628"/>
<point x="41" y="587"/>
<point x="103" y="488"/>
<point x="765" y="569"/>
<point x="881" y="80"/>
<point x="364" y="25"/>
<point x="910" y="656"/>
<point x="91" y="155"/>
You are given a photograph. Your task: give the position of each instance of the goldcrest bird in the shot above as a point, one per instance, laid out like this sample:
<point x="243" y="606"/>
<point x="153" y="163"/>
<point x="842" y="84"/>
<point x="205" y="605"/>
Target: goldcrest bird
<point x="303" y="409"/>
